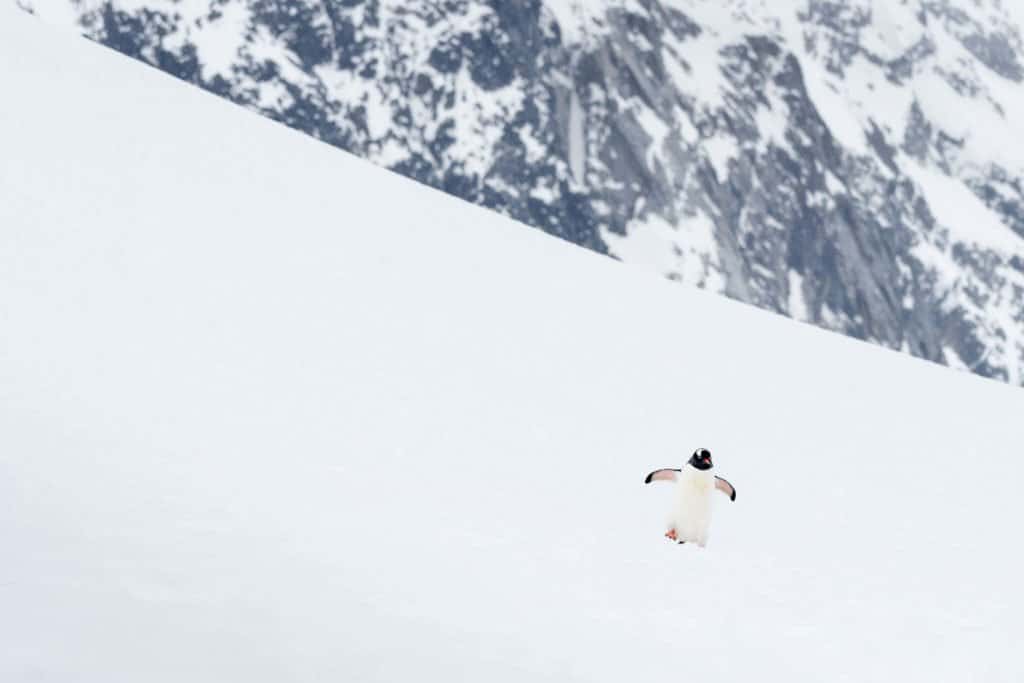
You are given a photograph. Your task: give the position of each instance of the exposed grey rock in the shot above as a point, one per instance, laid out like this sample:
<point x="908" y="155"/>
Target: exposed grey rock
<point x="802" y="158"/>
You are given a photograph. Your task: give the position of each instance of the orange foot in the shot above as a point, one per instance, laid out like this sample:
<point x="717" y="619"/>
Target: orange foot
<point x="671" y="534"/>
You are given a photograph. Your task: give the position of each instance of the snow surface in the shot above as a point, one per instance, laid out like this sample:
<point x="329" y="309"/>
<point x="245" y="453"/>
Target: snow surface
<point x="270" y="413"/>
<point x="962" y="212"/>
<point x="691" y="259"/>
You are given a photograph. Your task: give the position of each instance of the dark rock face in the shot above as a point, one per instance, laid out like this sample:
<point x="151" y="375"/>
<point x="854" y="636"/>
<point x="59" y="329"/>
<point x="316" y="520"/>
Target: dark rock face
<point x="844" y="164"/>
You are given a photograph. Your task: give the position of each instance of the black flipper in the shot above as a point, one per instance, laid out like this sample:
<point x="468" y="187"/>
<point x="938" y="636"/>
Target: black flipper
<point x="725" y="487"/>
<point x="664" y="474"/>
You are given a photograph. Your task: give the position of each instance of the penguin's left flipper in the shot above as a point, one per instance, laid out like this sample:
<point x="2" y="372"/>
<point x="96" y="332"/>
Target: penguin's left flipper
<point x="662" y="475"/>
<point x="725" y="487"/>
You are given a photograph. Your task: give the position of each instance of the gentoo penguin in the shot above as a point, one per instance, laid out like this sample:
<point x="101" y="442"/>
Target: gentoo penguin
<point x="691" y="509"/>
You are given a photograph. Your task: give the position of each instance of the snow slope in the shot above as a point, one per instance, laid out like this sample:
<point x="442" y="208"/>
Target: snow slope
<point x="270" y="413"/>
<point x="850" y="164"/>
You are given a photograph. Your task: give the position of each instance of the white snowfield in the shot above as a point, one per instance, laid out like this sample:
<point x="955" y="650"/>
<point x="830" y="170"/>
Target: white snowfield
<point x="270" y="413"/>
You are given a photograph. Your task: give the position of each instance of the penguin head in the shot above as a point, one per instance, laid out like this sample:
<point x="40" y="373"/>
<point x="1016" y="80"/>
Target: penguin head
<point x="701" y="459"/>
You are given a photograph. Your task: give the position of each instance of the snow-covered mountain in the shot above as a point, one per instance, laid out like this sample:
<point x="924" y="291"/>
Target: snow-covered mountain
<point x="849" y="163"/>
<point x="240" y="442"/>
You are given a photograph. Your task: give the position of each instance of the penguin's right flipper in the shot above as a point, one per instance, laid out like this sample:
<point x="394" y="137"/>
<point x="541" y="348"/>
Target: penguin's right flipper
<point x="661" y="475"/>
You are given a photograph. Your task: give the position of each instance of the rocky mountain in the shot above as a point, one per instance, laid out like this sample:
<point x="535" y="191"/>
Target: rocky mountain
<point x="851" y="163"/>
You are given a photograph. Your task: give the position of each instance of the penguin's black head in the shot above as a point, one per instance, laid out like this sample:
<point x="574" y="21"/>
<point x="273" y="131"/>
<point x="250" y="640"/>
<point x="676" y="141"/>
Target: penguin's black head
<point x="701" y="459"/>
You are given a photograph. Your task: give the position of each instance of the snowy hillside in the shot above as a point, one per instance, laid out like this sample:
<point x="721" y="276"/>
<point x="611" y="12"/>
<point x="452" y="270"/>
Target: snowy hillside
<point x="271" y="413"/>
<point x="852" y="164"/>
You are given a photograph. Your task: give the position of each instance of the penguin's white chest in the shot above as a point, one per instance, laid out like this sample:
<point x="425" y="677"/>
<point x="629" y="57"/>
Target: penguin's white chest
<point x="691" y="511"/>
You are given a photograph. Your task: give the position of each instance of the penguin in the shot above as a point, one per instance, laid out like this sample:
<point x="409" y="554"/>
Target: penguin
<point x="690" y="516"/>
